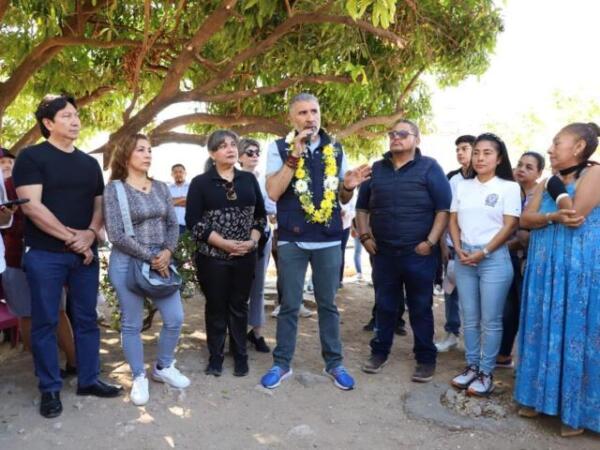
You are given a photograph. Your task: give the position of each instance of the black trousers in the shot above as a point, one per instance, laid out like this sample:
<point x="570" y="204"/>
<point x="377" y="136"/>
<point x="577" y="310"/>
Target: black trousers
<point x="512" y="309"/>
<point x="226" y="285"/>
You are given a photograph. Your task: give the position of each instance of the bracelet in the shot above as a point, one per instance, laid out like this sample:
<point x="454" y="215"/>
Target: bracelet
<point x="292" y="161"/>
<point x="95" y="234"/>
<point x="548" y="220"/>
<point x="346" y="189"/>
<point x="428" y="242"/>
<point x="365" y="237"/>
<point x="486" y="252"/>
<point x="255" y="244"/>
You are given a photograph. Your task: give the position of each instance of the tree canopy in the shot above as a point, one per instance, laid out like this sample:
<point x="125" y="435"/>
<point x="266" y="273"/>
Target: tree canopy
<point x="237" y="63"/>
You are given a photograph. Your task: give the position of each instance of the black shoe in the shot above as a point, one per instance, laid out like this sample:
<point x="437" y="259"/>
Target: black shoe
<point x="370" y="326"/>
<point x="68" y="371"/>
<point x="215" y="367"/>
<point x="400" y="330"/>
<point x="240" y="367"/>
<point x="259" y="342"/>
<point x="100" y="389"/>
<point x="50" y="405"/>
<point x="423" y="373"/>
<point x="374" y="364"/>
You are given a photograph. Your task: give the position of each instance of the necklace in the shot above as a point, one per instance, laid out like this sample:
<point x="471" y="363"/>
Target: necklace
<point x="577" y="168"/>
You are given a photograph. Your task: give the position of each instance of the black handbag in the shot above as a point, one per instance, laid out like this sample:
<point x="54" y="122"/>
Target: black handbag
<point x="141" y="278"/>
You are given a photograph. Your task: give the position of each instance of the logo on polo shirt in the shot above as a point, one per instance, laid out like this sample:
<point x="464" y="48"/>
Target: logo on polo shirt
<point x="491" y="200"/>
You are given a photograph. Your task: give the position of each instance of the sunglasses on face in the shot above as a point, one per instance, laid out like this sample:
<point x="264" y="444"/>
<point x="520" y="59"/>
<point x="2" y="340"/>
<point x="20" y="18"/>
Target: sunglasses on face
<point x="402" y="134"/>
<point x="230" y="191"/>
<point x="252" y="152"/>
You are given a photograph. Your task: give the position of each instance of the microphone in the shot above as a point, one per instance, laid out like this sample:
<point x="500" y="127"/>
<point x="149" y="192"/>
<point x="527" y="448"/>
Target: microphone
<point x="307" y="140"/>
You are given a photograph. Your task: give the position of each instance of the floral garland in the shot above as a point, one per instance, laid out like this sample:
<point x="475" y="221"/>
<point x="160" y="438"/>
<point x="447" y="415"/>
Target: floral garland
<point x="330" y="184"/>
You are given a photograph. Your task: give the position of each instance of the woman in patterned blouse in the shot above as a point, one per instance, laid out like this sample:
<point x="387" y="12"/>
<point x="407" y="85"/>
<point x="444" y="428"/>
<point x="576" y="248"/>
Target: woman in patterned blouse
<point x="226" y="214"/>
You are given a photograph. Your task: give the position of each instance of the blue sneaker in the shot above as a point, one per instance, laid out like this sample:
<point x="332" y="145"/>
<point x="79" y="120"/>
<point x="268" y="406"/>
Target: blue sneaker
<point x="274" y="377"/>
<point x="341" y="378"/>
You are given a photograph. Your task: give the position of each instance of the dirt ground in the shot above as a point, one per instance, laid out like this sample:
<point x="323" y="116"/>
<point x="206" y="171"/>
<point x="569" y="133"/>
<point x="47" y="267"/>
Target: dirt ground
<point x="307" y="411"/>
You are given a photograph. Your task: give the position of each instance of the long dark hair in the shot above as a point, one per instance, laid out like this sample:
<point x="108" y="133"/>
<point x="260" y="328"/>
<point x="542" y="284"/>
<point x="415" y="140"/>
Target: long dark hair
<point x="504" y="169"/>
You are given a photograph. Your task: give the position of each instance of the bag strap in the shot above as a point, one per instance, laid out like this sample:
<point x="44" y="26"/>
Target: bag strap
<point x="124" y="207"/>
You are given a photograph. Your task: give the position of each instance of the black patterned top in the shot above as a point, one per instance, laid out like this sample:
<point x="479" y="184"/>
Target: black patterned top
<point x="231" y="211"/>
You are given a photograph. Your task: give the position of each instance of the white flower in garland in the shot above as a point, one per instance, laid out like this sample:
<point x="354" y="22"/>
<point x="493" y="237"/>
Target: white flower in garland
<point x="332" y="183"/>
<point x="301" y="186"/>
<point x="290" y="137"/>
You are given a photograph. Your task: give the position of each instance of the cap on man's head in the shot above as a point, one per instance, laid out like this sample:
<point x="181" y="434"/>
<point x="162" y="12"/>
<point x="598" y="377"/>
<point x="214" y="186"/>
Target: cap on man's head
<point x="4" y="153"/>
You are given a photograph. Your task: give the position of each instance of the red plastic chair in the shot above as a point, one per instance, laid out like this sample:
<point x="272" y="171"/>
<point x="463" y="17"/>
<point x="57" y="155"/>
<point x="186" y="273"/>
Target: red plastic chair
<point x="9" y="321"/>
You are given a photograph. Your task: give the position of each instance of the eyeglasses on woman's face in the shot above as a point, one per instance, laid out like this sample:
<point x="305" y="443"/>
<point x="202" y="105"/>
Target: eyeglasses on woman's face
<point x="251" y="152"/>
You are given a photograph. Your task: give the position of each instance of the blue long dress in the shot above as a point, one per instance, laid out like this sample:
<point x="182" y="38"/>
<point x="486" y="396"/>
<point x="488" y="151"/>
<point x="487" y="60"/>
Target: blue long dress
<point x="559" y="367"/>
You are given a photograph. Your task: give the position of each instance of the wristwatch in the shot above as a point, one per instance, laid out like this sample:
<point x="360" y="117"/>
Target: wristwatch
<point x="255" y="244"/>
<point x="486" y="252"/>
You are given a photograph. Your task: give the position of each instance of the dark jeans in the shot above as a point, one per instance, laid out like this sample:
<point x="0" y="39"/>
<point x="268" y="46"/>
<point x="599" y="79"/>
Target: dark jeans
<point x="452" y="311"/>
<point x="345" y="238"/>
<point x="226" y="285"/>
<point x="47" y="274"/>
<point x="401" y="303"/>
<point x="416" y="273"/>
<point x="325" y="263"/>
<point x="512" y="307"/>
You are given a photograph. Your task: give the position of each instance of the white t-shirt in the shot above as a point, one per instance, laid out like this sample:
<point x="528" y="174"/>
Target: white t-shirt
<point x="454" y="180"/>
<point x="481" y="208"/>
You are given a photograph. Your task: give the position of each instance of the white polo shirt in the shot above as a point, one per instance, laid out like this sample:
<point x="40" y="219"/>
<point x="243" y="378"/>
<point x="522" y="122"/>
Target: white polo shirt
<point x="481" y="208"/>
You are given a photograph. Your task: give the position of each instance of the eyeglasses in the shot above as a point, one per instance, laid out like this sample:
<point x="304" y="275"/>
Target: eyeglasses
<point x="252" y="152"/>
<point x="402" y="134"/>
<point x="229" y="191"/>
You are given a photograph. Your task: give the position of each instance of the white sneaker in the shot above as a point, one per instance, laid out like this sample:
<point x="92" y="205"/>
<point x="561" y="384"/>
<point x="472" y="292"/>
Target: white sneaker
<point x="171" y="375"/>
<point x="305" y="312"/>
<point x="450" y="341"/>
<point x="482" y="386"/>
<point x="464" y="379"/>
<point x="139" y="391"/>
<point x="275" y="312"/>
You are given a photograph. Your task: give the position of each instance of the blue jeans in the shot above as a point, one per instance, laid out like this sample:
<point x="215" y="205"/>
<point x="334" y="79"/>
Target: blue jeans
<point x="482" y="293"/>
<point x="357" y="253"/>
<point x="131" y="306"/>
<point x="415" y="273"/>
<point x="452" y="312"/>
<point x="47" y="274"/>
<point x="256" y="306"/>
<point x="325" y="263"/>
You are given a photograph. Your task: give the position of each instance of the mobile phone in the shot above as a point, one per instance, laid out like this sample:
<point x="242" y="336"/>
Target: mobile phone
<point x="11" y="203"/>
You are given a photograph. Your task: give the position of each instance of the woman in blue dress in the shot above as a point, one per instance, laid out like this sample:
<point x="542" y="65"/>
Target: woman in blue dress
<point x="559" y="368"/>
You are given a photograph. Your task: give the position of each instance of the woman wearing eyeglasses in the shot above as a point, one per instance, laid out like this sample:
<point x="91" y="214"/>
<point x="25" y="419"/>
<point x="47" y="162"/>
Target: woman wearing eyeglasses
<point x="249" y="154"/>
<point x="226" y="214"/>
<point x="484" y="213"/>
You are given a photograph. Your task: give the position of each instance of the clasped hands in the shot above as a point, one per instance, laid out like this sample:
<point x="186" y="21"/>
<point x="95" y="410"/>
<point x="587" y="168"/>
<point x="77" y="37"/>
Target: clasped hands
<point x="161" y="262"/>
<point x="237" y="248"/>
<point x="81" y="242"/>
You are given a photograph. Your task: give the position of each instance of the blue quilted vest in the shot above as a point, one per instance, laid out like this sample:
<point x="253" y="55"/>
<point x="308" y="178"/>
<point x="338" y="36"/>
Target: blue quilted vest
<point x="400" y="206"/>
<point x="292" y="225"/>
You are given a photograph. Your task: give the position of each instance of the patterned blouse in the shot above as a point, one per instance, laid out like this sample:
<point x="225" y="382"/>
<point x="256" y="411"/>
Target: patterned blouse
<point x="231" y="209"/>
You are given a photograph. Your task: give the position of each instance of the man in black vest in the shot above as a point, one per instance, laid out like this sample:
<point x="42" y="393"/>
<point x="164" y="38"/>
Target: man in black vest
<point x="401" y="214"/>
<point x="306" y="176"/>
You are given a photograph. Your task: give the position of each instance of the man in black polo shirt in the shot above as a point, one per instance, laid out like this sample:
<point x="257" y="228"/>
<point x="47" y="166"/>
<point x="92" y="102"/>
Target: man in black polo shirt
<point x="401" y="214"/>
<point x="64" y="215"/>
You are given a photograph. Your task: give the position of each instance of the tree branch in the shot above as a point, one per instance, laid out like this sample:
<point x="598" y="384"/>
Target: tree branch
<point x="181" y="138"/>
<point x="368" y="122"/>
<point x="3" y="8"/>
<point x="282" y="86"/>
<point x="34" y="134"/>
<point x="271" y="124"/>
<point x="43" y="53"/>
<point x="257" y="48"/>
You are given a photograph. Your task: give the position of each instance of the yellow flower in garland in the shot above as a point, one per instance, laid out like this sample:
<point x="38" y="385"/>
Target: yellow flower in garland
<point x="330" y="185"/>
